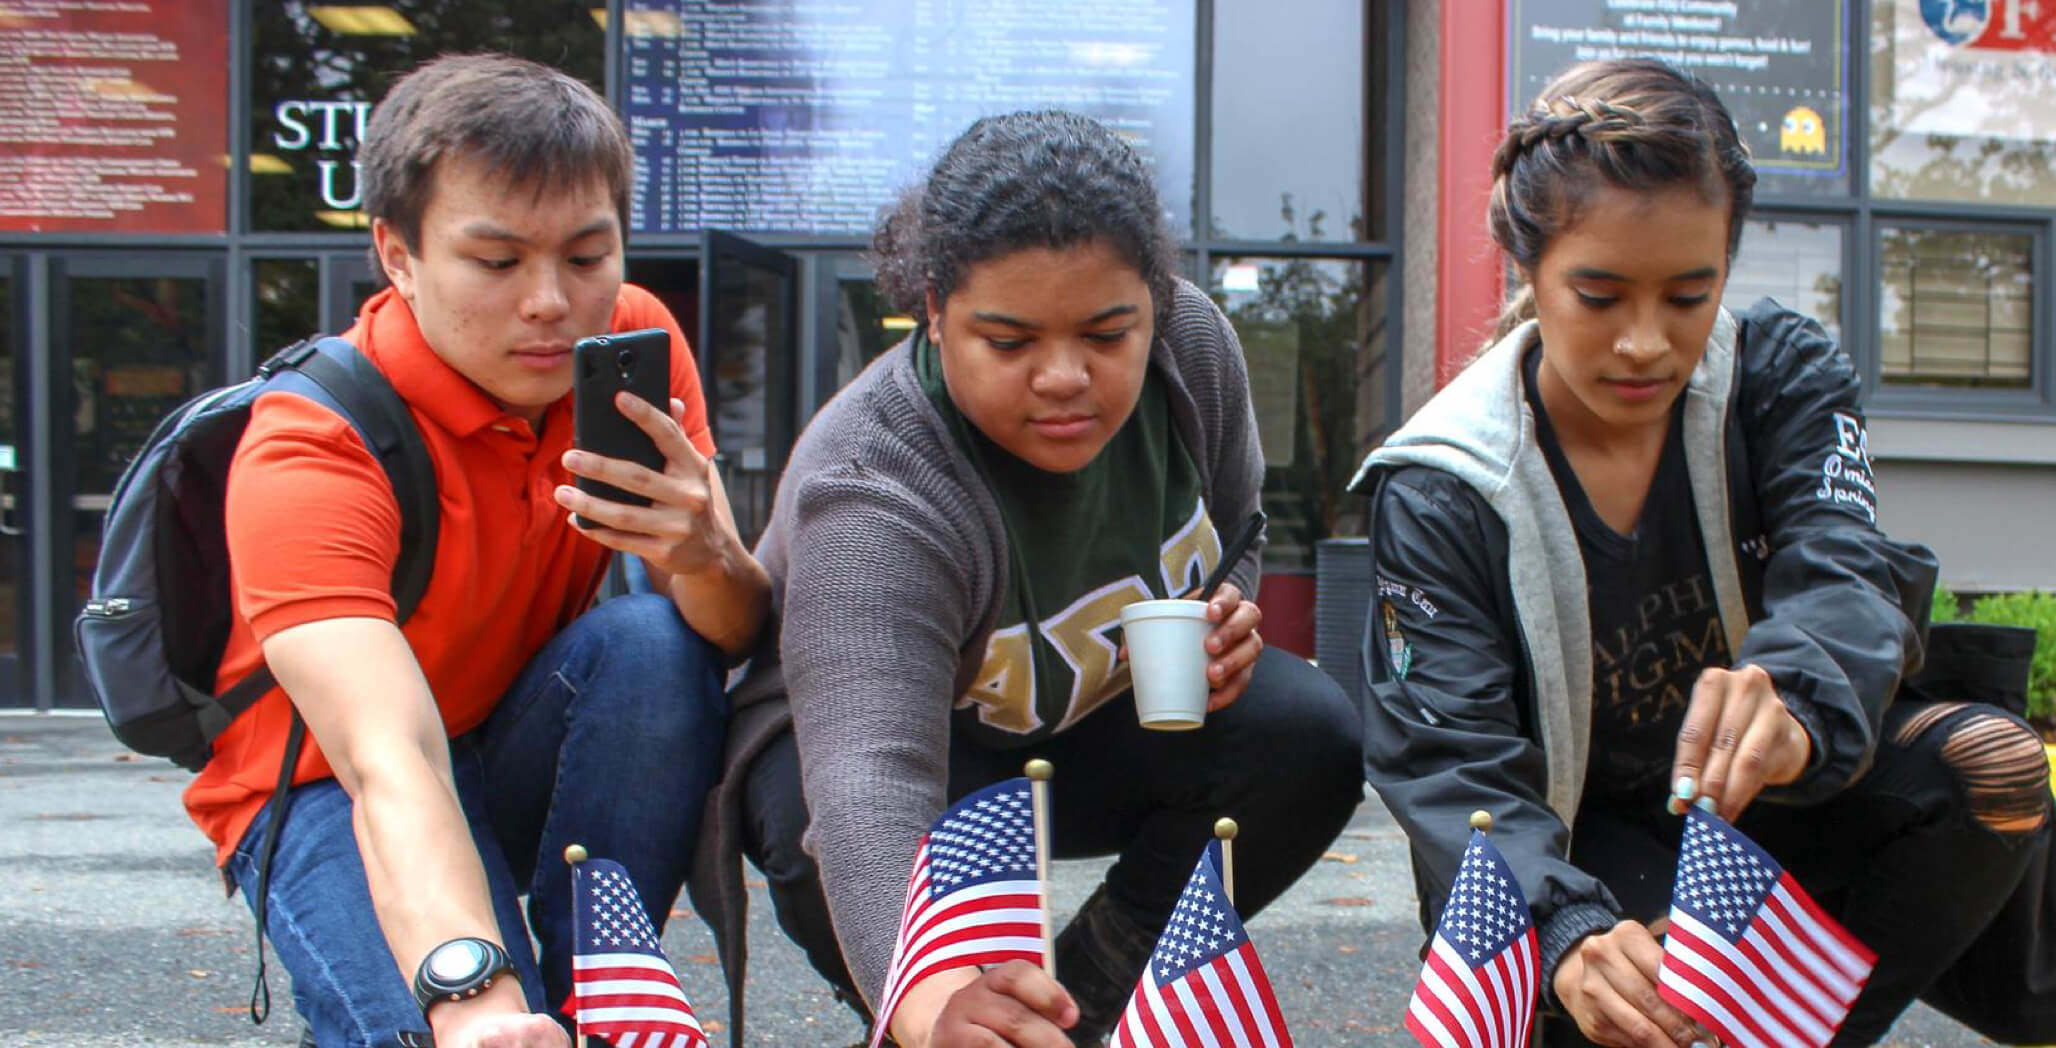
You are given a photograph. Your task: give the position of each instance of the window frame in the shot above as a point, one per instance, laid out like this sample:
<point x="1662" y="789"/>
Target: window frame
<point x="1988" y="404"/>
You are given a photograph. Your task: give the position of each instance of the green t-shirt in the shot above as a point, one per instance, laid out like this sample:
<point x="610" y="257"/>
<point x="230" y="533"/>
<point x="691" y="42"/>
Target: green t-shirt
<point x="1132" y="525"/>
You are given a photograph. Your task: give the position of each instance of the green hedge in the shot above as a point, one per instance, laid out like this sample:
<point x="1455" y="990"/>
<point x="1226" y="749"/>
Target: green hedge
<point x="2033" y="609"/>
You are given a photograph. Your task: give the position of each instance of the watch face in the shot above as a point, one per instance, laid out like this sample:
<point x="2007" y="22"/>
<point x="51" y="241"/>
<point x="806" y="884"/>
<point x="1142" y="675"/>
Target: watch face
<point x="454" y="962"/>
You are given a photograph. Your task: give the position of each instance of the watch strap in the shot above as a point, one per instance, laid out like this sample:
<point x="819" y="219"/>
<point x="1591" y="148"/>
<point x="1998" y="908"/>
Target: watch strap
<point x="431" y="989"/>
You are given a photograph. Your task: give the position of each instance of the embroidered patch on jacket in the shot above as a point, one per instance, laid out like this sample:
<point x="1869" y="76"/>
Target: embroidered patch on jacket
<point x="1397" y="648"/>
<point x="1845" y="472"/>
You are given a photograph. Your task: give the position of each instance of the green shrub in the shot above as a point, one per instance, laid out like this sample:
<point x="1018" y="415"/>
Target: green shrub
<point x="1948" y="607"/>
<point x="2037" y="610"/>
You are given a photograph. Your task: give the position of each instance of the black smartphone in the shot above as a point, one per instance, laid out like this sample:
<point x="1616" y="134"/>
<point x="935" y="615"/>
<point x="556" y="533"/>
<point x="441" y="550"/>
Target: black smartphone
<point x="604" y="365"/>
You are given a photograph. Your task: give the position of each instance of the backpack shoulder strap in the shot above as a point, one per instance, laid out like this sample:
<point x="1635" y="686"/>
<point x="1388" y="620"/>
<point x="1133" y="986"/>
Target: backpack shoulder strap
<point x="333" y="372"/>
<point x="372" y="405"/>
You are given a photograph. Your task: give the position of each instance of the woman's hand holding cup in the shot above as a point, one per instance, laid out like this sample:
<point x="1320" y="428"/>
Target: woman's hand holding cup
<point x="1233" y="645"/>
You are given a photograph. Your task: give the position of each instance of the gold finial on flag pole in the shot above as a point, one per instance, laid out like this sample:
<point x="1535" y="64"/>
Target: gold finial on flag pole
<point x="573" y="855"/>
<point x="1039" y="771"/>
<point x="1225" y="829"/>
<point x="1481" y="820"/>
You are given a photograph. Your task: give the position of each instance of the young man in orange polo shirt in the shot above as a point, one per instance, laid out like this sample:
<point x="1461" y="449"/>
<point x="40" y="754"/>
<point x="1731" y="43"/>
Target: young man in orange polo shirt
<point x="452" y="759"/>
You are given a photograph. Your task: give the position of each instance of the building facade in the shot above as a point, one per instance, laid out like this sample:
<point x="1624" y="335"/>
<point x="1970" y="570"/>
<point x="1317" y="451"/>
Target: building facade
<point x="177" y="200"/>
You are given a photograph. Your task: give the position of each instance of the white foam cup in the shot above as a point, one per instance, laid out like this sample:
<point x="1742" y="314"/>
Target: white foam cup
<point x="1167" y="659"/>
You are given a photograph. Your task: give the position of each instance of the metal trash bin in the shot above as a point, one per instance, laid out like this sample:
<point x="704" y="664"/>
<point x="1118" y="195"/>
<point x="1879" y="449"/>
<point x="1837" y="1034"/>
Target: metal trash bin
<point x="1342" y="600"/>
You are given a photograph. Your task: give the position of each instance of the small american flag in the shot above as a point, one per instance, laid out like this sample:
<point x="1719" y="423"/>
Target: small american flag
<point x="1204" y="984"/>
<point x="622" y="988"/>
<point x="1477" y="987"/>
<point x="974" y="897"/>
<point x="1748" y="954"/>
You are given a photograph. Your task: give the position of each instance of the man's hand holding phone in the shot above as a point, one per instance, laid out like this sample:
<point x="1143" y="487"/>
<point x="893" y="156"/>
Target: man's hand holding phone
<point x="682" y="530"/>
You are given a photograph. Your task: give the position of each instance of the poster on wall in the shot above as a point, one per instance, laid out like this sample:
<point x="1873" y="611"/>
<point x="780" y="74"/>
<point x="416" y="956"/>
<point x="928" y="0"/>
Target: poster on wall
<point x="1974" y="67"/>
<point x="1781" y="66"/>
<point x="113" y="116"/>
<point x="808" y="118"/>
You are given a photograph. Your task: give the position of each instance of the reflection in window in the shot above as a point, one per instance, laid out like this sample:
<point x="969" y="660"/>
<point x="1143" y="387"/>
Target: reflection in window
<point x="1954" y="118"/>
<point x="317" y="69"/>
<point x="1315" y="336"/>
<point x="1273" y="179"/>
<point x="865" y="327"/>
<point x="1956" y="308"/>
<point x="140" y="348"/>
<point x="286" y="295"/>
<point x="1798" y="263"/>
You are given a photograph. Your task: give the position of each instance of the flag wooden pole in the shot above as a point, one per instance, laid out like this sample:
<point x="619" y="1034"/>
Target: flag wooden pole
<point x="573" y="855"/>
<point x="1225" y="829"/>
<point x="1039" y="771"/>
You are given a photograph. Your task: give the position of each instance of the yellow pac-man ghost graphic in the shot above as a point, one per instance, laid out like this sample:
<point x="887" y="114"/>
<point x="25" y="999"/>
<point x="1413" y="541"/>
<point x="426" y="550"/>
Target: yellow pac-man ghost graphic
<point x="1803" y="132"/>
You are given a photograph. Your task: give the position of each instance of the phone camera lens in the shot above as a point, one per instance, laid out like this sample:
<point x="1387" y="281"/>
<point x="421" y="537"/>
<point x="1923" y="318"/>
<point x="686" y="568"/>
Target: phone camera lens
<point x="626" y="360"/>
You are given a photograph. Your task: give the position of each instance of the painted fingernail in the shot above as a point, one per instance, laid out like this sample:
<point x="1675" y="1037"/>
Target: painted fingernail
<point x="1705" y="804"/>
<point x="1686" y="787"/>
<point x="1674" y="806"/>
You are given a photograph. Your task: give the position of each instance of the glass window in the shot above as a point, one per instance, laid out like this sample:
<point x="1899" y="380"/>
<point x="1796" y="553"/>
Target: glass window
<point x="1796" y="262"/>
<point x="1314" y="332"/>
<point x="1960" y="102"/>
<point x="795" y="117"/>
<point x="317" y="69"/>
<point x="1956" y="308"/>
<point x="1288" y="150"/>
<point x="287" y="302"/>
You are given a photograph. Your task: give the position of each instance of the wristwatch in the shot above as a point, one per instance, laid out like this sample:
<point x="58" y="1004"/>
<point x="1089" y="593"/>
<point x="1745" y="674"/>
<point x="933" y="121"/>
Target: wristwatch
<point x="458" y="969"/>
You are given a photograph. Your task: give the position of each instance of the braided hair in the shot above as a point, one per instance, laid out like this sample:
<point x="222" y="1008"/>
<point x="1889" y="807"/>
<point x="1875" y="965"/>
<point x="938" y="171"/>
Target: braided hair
<point x="1030" y="179"/>
<point x="1633" y="123"/>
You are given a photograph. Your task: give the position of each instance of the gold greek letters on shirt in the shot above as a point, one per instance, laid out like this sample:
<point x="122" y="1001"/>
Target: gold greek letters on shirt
<point x="1082" y="635"/>
<point x="1005" y="692"/>
<point x="1191" y="553"/>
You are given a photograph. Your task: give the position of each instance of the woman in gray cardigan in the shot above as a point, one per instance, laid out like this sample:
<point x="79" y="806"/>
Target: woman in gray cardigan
<point x="1068" y="431"/>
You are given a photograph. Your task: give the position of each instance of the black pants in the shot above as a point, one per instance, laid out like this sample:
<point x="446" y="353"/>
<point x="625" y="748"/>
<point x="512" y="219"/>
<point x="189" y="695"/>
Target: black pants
<point x="1904" y="858"/>
<point x="1285" y="761"/>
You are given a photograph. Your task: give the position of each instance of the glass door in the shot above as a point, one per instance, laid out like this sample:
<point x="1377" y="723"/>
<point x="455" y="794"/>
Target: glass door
<point x="15" y="615"/>
<point x="133" y="336"/>
<point x="349" y="282"/>
<point x="748" y="346"/>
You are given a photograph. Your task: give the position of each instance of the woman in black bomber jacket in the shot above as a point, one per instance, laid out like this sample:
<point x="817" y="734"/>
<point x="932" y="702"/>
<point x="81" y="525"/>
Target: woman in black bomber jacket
<point x="1629" y="560"/>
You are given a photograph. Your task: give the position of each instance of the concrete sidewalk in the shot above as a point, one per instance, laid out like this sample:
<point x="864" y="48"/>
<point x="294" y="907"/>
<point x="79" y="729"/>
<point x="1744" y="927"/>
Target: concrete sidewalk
<point x="114" y="929"/>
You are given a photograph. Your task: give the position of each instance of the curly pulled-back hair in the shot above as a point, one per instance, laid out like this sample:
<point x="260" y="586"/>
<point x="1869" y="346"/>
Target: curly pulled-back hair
<point x="1046" y="179"/>
<point x="1634" y="123"/>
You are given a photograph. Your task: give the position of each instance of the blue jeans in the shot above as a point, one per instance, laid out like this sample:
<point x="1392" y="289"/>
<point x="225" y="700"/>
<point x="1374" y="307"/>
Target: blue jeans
<point x="611" y="738"/>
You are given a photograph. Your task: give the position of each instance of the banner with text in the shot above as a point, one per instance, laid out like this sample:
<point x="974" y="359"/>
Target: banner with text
<point x="1780" y="67"/>
<point x="113" y="116"/>
<point x="808" y="118"/>
<point x="1974" y="67"/>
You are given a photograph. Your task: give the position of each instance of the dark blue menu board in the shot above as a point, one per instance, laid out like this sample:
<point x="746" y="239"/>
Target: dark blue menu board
<point x="808" y="116"/>
<point x="1781" y="66"/>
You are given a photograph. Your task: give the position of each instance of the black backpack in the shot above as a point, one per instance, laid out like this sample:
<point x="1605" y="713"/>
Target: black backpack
<point x="153" y="632"/>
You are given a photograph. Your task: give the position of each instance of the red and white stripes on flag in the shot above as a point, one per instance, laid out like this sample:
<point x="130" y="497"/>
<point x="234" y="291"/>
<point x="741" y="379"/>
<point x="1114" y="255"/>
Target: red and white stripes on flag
<point x="622" y="988"/>
<point x="1749" y="955"/>
<point x="974" y="897"/>
<point x="1478" y="984"/>
<point x="1204" y="985"/>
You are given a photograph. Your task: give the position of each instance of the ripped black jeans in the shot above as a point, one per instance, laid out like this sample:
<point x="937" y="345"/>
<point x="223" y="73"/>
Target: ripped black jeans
<point x="1914" y="858"/>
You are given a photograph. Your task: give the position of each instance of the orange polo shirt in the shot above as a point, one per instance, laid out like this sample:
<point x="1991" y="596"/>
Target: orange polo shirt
<point x="314" y="532"/>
